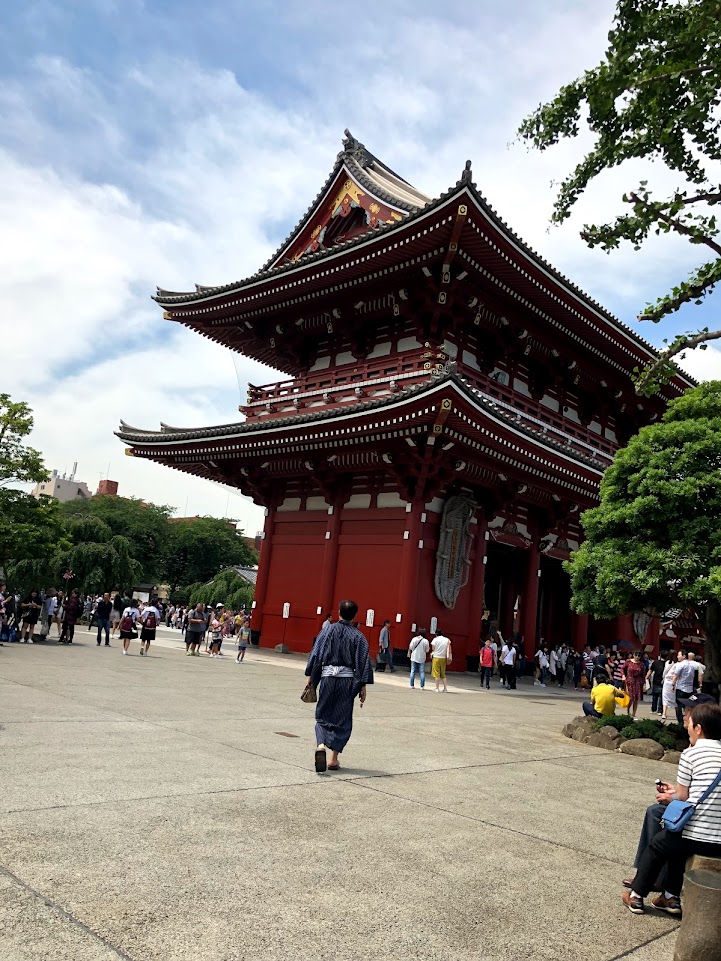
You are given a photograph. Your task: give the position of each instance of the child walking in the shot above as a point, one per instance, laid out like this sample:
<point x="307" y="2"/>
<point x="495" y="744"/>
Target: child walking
<point x="243" y="640"/>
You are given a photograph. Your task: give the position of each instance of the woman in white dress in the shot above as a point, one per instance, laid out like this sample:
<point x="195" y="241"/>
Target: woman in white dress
<point x="668" y="692"/>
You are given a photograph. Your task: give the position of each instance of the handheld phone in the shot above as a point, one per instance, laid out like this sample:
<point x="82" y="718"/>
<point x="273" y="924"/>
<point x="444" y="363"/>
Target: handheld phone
<point x="659" y="783"/>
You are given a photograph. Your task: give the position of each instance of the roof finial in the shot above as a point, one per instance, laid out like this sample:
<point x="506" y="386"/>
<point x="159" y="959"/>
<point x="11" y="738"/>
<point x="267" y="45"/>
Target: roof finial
<point x="467" y="175"/>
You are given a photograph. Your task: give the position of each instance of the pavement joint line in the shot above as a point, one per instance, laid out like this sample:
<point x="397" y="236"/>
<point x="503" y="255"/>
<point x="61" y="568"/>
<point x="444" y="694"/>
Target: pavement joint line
<point x="267" y="787"/>
<point x="358" y="782"/>
<point x="643" y="944"/>
<point x="76" y="922"/>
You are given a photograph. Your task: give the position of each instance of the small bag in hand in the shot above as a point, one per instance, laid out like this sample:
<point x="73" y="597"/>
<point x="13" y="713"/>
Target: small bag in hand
<point x="309" y="695"/>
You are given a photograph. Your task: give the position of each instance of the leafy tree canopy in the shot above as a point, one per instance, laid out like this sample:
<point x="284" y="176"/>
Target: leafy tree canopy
<point x="30" y="528"/>
<point x="654" y="541"/>
<point x="145" y="527"/>
<point x="198" y="549"/>
<point x="655" y="94"/>
<point x="18" y="462"/>
<point x="227" y="588"/>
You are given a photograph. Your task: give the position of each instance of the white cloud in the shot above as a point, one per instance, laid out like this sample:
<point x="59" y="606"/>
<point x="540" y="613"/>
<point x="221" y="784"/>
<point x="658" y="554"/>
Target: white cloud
<point x="170" y="173"/>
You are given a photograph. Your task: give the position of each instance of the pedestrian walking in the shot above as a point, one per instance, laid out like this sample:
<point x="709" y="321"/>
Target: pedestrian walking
<point x="195" y="630"/>
<point x="30" y="608"/>
<point x="243" y="640"/>
<point x="117" y="612"/>
<point x="128" y="620"/>
<point x="72" y="612"/>
<point x="385" y="646"/>
<point x="417" y="654"/>
<point x="668" y="691"/>
<point x="338" y="669"/>
<point x="103" y="611"/>
<point x="635" y="675"/>
<point x="441" y="657"/>
<point x="59" y="612"/>
<point x="47" y="613"/>
<point x="487" y="663"/>
<point x="655" y="679"/>
<point x="508" y="656"/>
<point x="684" y="677"/>
<point x="149" y="620"/>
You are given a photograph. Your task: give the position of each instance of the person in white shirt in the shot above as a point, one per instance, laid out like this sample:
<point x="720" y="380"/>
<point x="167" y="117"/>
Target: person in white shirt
<point x="684" y="677"/>
<point x="441" y="656"/>
<point x="508" y="658"/>
<point x="698" y="768"/>
<point x="128" y="621"/>
<point x="149" y="618"/>
<point x="417" y="652"/>
<point x="699" y="668"/>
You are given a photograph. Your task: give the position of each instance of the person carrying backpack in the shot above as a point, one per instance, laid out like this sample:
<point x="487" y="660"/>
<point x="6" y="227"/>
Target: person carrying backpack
<point x="128" y="620"/>
<point x="150" y="618"/>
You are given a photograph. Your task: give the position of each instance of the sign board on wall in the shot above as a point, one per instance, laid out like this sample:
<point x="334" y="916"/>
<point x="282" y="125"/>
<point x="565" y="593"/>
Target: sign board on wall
<point x="434" y="625"/>
<point x="370" y="614"/>
<point x="286" y="610"/>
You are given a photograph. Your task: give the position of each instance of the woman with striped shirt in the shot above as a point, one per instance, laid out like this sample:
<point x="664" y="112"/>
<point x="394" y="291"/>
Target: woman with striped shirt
<point x="699" y="766"/>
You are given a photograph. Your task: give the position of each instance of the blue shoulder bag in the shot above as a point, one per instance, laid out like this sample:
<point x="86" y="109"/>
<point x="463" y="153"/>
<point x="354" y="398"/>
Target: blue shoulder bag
<point x="679" y="813"/>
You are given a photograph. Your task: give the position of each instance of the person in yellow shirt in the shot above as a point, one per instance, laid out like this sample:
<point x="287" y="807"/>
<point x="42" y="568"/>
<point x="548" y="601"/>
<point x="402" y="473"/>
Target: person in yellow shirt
<point x="603" y="699"/>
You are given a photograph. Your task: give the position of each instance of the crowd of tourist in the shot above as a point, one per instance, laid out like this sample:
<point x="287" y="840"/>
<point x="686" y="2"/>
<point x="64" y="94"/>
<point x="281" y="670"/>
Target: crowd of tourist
<point x="24" y="618"/>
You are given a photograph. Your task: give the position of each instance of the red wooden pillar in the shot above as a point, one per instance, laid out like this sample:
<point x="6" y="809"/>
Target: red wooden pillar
<point x="330" y="560"/>
<point x="410" y="565"/>
<point x="476" y="584"/>
<point x="261" y="583"/>
<point x="529" y="601"/>
<point x="579" y="628"/>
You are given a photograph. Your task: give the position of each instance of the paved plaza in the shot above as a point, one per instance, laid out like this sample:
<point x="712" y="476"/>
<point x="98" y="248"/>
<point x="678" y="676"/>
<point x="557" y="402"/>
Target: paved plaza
<point x="167" y="808"/>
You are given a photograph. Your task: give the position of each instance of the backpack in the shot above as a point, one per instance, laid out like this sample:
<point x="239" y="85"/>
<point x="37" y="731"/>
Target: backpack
<point x="126" y="622"/>
<point x="150" y="621"/>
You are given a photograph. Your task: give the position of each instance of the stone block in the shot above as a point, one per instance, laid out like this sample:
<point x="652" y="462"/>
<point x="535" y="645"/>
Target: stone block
<point x="282" y="649"/>
<point x="643" y="747"/>
<point x="672" y="757"/>
<point x="600" y="739"/>
<point x="699" y="936"/>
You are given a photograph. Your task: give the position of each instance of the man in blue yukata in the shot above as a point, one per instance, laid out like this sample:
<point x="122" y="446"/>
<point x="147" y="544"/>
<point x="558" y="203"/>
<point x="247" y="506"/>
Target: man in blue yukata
<point x="339" y="667"/>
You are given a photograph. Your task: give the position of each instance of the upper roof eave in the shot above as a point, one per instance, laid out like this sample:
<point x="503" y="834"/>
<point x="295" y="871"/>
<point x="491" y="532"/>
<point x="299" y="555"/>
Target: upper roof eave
<point x="150" y="439"/>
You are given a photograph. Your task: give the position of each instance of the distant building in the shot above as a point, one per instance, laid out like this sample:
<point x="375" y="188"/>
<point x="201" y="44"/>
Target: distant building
<point x="108" y="488"/>
<point x="62" y="488"/>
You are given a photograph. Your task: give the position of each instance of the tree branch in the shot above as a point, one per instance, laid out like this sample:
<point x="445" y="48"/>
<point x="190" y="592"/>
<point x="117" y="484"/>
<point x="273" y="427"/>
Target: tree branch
<point x="676" y="224"/>
<point x="673" y="351"/>
<point x="673" y="74"/>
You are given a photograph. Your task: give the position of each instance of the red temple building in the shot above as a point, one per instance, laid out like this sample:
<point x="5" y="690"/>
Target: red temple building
<point x="450" y="404"/>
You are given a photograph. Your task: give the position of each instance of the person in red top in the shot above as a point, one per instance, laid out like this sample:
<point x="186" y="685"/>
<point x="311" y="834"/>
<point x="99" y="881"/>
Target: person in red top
<point x="487" y="664"/>
<point x="71" y="615"/>
<point x="635" y="676"/>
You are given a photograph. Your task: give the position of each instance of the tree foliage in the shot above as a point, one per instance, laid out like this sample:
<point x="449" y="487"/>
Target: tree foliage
<point x="654" y="95"/>
<point x="19" y="463"/>
<point x="30" y="528"/>
<point x="198" y="549"/>
<point x="227" y="588"/>
<point x="654" y="541"/>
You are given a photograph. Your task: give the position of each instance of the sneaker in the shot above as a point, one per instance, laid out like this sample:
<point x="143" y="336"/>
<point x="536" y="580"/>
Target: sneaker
<point x="31" y="641"/>
<point x="536" y="683"/>
<point x="141" y="652"/>
<point x="187" y="653"/>
<point x="669" y="905"/>
<point x="124" y="651"/>
<point x="633" y="902"/>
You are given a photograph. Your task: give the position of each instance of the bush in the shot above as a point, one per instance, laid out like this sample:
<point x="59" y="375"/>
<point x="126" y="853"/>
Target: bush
<point x="653" y="730"/>
<point x="619" y="721"/>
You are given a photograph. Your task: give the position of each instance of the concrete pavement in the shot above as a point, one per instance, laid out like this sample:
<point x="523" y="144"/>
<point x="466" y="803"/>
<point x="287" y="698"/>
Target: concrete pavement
<point x="158" y="808"/>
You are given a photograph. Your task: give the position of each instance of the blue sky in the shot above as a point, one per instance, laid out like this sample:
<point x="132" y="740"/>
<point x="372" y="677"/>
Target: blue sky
<point x="170" y="143"/>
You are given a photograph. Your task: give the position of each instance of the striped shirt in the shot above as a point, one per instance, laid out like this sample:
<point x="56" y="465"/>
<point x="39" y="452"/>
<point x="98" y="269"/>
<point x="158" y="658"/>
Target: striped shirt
<point x="697" y="769"/>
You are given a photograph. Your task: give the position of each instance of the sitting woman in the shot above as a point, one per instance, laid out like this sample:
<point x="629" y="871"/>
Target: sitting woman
<point x="698" y="770"/>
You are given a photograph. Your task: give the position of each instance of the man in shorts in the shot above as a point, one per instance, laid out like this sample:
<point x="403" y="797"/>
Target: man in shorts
<point x="440" y="658"/>
<point x="197" y="626"/>
<point x="149" y="619"/>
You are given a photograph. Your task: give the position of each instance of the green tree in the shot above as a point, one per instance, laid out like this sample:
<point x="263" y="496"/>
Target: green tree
<point x="654" y="541"/>
<point x="227" y="588"/>
<point x="30" y="527"/>
<point x="144" y="526"/>
<point x="19" y="464"/>
<point x="654" y="95"/>
<point x="196" y="550"/>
